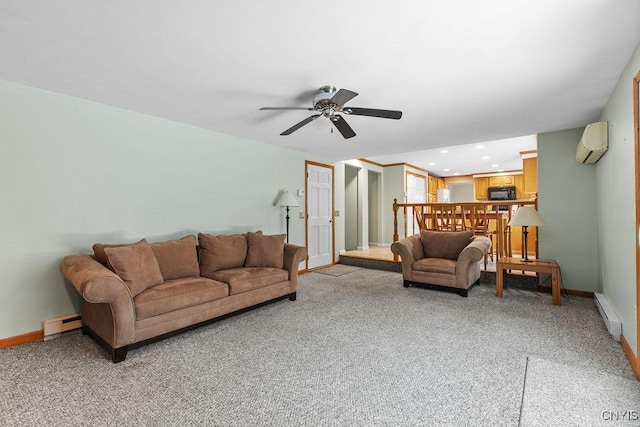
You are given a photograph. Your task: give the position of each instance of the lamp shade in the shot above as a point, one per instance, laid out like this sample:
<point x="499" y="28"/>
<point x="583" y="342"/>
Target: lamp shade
<point x="527" y="215"/>
<point x="287" y="199"/>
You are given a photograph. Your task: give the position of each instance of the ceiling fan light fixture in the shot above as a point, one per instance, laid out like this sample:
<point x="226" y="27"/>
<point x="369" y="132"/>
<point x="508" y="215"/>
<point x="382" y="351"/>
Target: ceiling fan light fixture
<point x="329" y="101"/>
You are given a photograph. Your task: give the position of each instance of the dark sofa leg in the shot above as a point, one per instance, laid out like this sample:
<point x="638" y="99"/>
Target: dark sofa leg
<point x="463" y="292"/>
<point x="119" y="354"/>
<point x="406" y="283"/>
<point x="292" y="297"/>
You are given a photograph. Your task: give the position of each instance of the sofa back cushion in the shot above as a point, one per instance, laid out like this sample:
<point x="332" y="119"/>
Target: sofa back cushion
<point x="221" y="252"/>
<point x="265" y="251"/>
<point x="177" y="258"/>
<point x="136" y="265"/>
<point x="444" y="244"/>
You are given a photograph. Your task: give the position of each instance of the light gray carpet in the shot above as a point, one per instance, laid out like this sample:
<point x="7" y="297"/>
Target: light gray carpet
<point x="337" y="270"/>
<point x="353" y="350"/>
<point x="559" y="394"/>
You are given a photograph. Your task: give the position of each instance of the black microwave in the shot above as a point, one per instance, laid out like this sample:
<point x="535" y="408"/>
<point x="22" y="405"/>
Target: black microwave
<point x="502" y="193"/>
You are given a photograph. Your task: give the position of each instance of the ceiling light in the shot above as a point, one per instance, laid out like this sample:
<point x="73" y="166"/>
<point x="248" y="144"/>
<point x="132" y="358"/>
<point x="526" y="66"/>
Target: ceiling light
<point x="485" y="157"/>
<point x="479" y="147"/>
<point x="444" y="151"/>
<point x="432" y="163"/>
<point x="446" y="170"/>
<point x="494" y="166"/>
<point x="500" y="170"/>
<point x="457" y="173"/>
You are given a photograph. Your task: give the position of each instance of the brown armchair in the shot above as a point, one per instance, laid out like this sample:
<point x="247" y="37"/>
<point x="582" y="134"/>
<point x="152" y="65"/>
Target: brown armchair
<point x="444" y="259"/>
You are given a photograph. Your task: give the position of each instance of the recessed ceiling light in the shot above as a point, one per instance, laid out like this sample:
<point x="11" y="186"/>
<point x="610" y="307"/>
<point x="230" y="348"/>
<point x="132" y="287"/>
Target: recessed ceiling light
<point x="457" y="173"/>
<point x="500" y="170"/>
<point x="485" y="157"/>
<point x="432" y="163"/>
<point x="494" y="166"/>
<point x="446" y="170"/>
<point x="444" y="151"/>
<point x="479" y="147"/>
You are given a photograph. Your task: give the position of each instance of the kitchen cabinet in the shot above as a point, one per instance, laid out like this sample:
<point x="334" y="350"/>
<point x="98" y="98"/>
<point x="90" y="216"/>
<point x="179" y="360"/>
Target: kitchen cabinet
<point x="502" y="181"/>
<point x="530" y="177"/>
<point x="436" y="184"/>
<point x="480" y="188"/>
<point x="433" y="185"/>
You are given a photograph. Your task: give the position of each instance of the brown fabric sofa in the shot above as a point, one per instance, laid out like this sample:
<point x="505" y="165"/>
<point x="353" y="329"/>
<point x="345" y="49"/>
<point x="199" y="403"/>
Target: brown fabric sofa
<point x="137" y="293"/>
<point x="446" y="259"/>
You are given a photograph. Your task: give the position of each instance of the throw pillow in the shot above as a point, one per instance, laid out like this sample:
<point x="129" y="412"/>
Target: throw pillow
<point x="177" y="258"/>
<point x="136" y="265"/>
<point x="98" y="251"/>
<point x="265" y="251"/>
<point x="444" y="244"/>
<point x="221" y="252"/>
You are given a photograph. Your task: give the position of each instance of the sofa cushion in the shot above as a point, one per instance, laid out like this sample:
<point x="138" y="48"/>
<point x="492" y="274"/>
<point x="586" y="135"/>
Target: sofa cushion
<point x="136" y="265"/>
<point x="244" y="279"/>
<point x="178" y="294"/>
<point x="265" y="251"/>
<point x="221" y="252"/>
<point x="444" y="244"/>
<point x="435" y="265"/>
<point x="177" y="258"/>
<point x="98" y="251"/>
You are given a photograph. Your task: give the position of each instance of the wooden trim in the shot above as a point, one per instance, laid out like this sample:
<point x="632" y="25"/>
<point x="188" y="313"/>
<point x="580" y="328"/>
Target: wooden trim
<point x="417" y="168"/>
<point x="633" y="360"/>
<point x="636" y="131"/>
<point x="22" y="339"/>
<point x="362" y="159"/>
<point x="394" y="164"/>
<point x="572" y="292"/>
<point x="505" y="173"/>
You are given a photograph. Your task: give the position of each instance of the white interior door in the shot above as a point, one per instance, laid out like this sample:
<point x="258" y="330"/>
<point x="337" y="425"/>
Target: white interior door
<point x="416" y="193"/>
<point x="319" y="215"/>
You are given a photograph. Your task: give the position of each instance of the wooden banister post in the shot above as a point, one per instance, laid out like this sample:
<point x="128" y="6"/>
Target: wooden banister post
<point x="395" y="226"/>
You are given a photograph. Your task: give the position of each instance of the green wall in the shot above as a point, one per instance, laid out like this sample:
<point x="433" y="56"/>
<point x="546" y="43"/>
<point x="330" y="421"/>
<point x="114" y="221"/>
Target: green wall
<point x="74" y="172"/>
<point x="567" y="203"/>
<point x="616" y="207"/>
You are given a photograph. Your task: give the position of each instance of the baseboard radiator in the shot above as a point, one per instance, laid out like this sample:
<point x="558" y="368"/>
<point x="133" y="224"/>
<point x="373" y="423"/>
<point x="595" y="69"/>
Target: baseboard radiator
<point x="611" y="320"/>
<point x="55" y="327"/>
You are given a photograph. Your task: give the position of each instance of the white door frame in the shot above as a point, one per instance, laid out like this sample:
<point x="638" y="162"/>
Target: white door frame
<point x="307" y="164"/>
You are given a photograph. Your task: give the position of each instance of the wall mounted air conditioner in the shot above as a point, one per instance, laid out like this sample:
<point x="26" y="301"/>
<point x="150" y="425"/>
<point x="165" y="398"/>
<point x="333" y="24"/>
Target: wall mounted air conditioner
<point x="593" y="144"/>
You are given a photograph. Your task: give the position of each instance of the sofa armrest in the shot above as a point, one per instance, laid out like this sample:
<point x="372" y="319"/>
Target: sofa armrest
<point x="410" y="250"/>
<point x="293" y="256"/>
<point x="97" y="284"/>
<point x="471" y="254"/>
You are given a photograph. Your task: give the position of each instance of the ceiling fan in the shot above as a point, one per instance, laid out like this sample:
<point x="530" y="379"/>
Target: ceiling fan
<point x="328" y="102"/>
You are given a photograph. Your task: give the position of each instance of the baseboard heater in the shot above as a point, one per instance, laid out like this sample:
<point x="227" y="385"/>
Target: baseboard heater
<point x="55" y="327"/>
<point x="611" y="320"/>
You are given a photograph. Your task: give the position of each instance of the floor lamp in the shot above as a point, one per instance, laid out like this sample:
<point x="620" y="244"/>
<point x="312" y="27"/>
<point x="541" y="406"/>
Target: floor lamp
<point x="289" y="201"/>
<point x="527" y="216"/>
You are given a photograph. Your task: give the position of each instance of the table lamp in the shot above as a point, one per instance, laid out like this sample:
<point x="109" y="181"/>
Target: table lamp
<point x="526" y="216"/>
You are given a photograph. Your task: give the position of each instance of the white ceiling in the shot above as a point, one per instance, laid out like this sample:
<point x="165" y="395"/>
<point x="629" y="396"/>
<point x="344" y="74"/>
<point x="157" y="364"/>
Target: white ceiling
<point x="462" y="71"/>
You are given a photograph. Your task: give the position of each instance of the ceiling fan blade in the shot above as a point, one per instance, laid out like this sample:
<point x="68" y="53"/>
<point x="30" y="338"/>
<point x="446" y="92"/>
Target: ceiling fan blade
<point x="286" y="108"/>
<point x="342" y="97"/>
<point x="299" y="125"/>
<point x="343" y="127"/>
<point x="372" y="112"/>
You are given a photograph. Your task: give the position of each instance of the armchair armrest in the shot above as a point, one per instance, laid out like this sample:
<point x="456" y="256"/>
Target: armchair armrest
<point x="471" y="254"/>
<point x="97" y="284"/>
<point x="410" y="250"/>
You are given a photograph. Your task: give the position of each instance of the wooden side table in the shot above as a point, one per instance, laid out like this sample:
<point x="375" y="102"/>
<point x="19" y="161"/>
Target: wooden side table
<point x="550" y="267"/>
